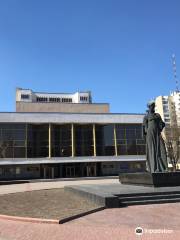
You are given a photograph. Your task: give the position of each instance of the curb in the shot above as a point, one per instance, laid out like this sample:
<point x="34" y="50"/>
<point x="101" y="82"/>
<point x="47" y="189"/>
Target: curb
<point x="68" y="219"/>
<point x="50" y="221"/>
<point x="32" y="220"/>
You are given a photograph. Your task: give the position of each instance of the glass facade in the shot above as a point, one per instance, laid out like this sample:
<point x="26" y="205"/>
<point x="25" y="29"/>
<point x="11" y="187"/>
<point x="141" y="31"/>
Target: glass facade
<point x="19" y="172"/>
<point x="61" y="141"/>
<point x="55" y="140"/>
<point x="12" y="141"/>
<point x="105" y="140"/>
<point x="130" y="139"/>
<point x="37" y="140"/>
<point x="83" y="135"/>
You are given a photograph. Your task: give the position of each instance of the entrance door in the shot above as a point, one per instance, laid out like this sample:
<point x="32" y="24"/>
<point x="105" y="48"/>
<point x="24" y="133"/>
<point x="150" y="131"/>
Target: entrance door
<point x="91" y="170"/>
<point x="48" y="172"/>
<point x="70" y="171"/>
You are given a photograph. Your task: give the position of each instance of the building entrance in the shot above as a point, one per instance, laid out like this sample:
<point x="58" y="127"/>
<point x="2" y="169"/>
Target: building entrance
<point x="70" y="171"/>
<point x="90" y="170"/>
<point x="48" y="172"/>
<point x="80" y="170"/>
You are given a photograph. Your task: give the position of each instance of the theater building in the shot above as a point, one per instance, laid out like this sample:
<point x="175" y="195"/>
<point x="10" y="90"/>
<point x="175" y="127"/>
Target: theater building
<point x="65" y="145"/>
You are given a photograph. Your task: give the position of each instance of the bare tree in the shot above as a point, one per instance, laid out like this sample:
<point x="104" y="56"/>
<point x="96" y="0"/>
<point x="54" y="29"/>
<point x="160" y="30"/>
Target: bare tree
<point x="172" y="140"/>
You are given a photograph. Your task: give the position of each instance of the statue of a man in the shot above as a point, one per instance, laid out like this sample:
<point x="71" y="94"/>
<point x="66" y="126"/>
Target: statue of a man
<point x="155" y="147"/>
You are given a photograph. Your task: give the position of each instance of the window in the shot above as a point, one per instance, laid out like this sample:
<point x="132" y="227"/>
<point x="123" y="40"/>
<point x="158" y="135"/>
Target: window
<point x="108" y="166"/>
<point x="18" y="170"/>
<point x="105" y="140"/>
<point x="57" y="99"/>
<point x="52" y="99"/>
<point x="41" y="99"/>
<point x="83" y="140"/>
<point x="69" y="100"/>
<point x="66" y="100"/>
<point x="124" y="166"/>
<point x="32" y="169"/>
<point x="24" y="96"/>
<point x="12" y="140"/>
<point x="130" y="139"/>
<point x="165" y="108"/>
<point x="61" y="140"/>
<point x="84" y="99"/>
<point x="38" y="141"/>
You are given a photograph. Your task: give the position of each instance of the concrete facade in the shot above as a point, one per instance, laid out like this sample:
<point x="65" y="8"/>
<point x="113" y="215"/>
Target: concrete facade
<point x="79" y="102"/>
<point x="27" y="95"/>
<point x="62" y="107"/>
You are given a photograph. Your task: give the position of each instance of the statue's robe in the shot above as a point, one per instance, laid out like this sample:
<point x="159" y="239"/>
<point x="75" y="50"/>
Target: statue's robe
<point x="155" y="147"/>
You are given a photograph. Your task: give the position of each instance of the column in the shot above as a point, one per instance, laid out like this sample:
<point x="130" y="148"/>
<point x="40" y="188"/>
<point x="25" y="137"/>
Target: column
<point x="26" y="139"/>
<point x="95" y="169"/>
<point x="94" y="139"/>
<point x="115" y="140"/>
<point x="49" y="140"/>
<point x="44" y="170"/>
<point x="60" y="170"/>
<point x="72" y="139"/>
<point x="52" y="172"/>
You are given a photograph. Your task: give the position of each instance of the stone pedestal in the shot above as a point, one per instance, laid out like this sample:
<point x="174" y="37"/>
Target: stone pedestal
<point x="165" y="179"/>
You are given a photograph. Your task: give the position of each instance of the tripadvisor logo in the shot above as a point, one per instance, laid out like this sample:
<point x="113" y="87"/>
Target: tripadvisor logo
<point x="139" y="231"/>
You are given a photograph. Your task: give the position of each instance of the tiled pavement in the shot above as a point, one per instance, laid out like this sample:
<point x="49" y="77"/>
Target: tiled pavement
<point x="30" y="231"/>
<point x="159" y="221"/>
<point x="109" y="224"/>
<point x="115" y="224"/>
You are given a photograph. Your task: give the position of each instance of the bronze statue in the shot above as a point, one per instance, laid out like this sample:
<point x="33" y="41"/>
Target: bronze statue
<point x="155" y="147"/>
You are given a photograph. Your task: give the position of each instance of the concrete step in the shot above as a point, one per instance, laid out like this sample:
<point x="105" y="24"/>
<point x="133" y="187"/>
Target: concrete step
<point x="148" y="197"/>
<point x="146" y="202"/>
<point x="147" y="193"/>
<point x="13" y="182"/>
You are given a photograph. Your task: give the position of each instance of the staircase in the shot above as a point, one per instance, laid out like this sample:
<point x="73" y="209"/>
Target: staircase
<point x="148" y="198"/>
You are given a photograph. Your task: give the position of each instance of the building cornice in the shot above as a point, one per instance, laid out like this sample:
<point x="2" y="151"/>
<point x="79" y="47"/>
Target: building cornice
<point x="18" y="117"/>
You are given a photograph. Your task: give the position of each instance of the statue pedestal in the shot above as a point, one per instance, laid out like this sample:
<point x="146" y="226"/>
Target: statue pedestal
<point x="163" y="179"/>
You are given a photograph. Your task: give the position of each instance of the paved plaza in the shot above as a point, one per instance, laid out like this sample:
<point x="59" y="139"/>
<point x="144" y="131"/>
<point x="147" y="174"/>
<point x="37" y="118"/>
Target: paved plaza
<point x="6" y="189"/>
<point x="158" y="221"/>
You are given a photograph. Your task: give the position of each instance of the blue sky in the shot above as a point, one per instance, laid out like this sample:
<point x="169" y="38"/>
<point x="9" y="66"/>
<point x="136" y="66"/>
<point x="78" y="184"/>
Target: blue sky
<point x="119" y="49"/>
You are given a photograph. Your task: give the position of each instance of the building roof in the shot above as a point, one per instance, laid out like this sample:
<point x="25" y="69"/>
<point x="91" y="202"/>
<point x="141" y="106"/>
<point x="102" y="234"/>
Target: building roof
<point x="37" y="92"/>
